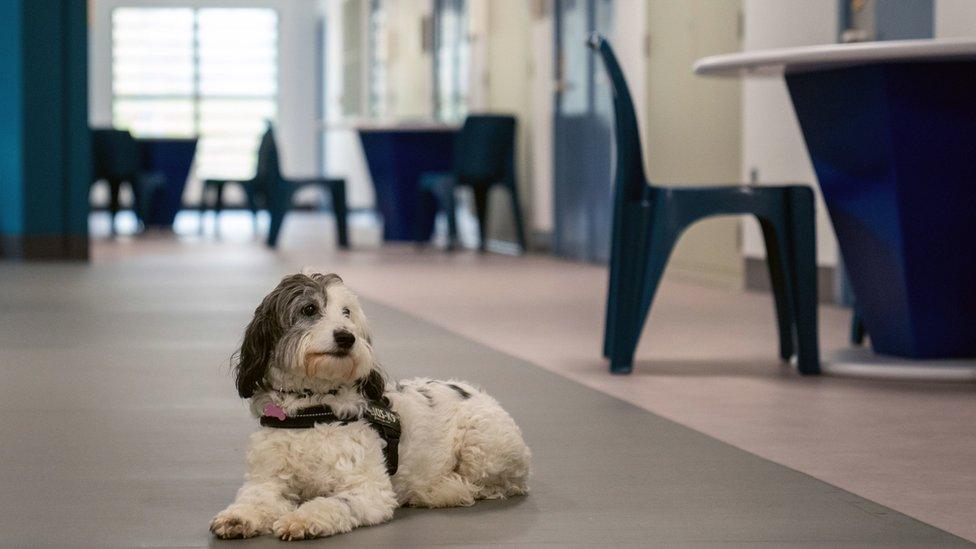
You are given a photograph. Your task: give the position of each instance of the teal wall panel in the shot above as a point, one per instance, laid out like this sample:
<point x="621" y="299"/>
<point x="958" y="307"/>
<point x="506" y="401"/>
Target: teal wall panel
<point x="78" y="158"/>
<point x="45" y="143"/>
<point x="43" y="106"/>
<point x="11" y="119"/>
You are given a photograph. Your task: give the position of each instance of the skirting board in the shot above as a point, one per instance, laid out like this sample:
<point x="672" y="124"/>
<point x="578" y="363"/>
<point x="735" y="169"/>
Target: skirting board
<point x="44" y="247"/>
<point x="757" y="279"/>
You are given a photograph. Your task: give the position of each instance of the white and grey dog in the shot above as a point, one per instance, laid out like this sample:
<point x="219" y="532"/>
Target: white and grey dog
<point x="309" y="345"/>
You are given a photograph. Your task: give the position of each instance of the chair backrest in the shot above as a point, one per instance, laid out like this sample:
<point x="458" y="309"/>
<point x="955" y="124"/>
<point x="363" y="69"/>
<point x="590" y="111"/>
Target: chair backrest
<point x="268" y="170"/>
<point x="115" y="154"/>
<point x="629" y="181"/>
<point x="485" y="149"/>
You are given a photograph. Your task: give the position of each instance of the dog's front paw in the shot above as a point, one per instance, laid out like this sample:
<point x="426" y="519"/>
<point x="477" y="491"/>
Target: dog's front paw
<point x="230" y="525"/>
<point x="296" y="526"/>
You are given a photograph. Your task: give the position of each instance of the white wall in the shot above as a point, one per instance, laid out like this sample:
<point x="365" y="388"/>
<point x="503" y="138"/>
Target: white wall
<point x="296" y="77"/>
<point x="771" y="138"/>
<point x="541" y="96"/>
<point x="955" y="18"/>
<point x="479" y="22"/>
<point x="411" y="68"/>
<point x="693" y="131"/>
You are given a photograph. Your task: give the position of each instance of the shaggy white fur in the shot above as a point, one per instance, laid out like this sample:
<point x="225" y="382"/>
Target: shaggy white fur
<point x="457" y="443"/>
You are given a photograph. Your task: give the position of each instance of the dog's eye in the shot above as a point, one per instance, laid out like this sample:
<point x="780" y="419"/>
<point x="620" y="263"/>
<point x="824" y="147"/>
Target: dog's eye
<point x="345" y="312"/>
<point x="310" y="309"/>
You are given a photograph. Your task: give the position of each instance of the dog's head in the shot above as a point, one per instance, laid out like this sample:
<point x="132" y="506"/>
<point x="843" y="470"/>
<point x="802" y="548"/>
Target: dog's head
<point x="310" y="329"/>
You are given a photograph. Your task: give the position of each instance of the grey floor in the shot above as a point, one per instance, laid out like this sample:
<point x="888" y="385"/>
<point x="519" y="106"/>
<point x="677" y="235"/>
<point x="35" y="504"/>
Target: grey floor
<point x="121" y="428"/>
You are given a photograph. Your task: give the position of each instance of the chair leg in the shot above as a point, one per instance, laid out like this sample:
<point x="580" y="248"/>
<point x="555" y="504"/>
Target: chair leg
<point x="625" y="337"/>
<point x="517" y="214"/>
<point x="774" y="236"/>
<point x="277" y="218"/>
<point x="450" y="210"/>
<point x="624" y="323"/>
<point x="340" y="209"/>
<point x="803" y="259"/>
<point x="218" y="206"/>
<point x="114" y="186"/>
<point x="857" y="329"/>
<point x="481" y="209"/>
<point x="278" y="205"/>
<point x="614" y="283"/>
<point x="254" y="216"/>
<point x="204" y="201"/>
<point x="138" y="204"/>
<point x="629" y="238"/>
<point x="641" y="267"/>
<point x="426" y="212"/>
<point x="252" y="204"/>
<point x="448" y="202"/>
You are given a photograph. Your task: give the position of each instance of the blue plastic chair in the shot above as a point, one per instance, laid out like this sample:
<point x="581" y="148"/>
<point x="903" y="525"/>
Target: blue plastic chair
<point x="484" y="156"/>
<point x="117" y="159"/>
<point x="269" y="189"/>
<point x="647" y="221"/>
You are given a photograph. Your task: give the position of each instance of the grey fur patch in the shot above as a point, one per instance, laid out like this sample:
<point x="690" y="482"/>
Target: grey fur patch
<point x="464" y="394"/>
<point x="426" y="392"/>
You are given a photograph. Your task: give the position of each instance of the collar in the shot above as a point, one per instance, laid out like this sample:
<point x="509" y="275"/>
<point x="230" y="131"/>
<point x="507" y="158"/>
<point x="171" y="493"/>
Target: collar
<point x="378" y="414"/>
<point x="305" y="392"/>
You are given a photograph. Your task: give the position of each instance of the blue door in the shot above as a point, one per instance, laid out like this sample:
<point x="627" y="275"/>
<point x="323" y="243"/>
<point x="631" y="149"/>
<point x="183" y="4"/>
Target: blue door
<point x="582" y="134"/>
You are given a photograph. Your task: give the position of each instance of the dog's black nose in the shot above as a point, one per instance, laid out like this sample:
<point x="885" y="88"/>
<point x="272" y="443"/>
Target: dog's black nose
<point x="344" y="339"/>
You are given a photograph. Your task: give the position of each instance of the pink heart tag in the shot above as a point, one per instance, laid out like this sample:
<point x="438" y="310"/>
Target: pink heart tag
<point x="273" y="410"/>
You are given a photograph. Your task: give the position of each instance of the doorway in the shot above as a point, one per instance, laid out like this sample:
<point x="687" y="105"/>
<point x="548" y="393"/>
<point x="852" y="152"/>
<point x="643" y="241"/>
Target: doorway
<point x="582" y="128"/>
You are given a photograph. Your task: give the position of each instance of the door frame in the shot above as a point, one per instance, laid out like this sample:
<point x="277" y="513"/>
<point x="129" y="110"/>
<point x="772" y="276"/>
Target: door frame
<point x="630" y="43"/>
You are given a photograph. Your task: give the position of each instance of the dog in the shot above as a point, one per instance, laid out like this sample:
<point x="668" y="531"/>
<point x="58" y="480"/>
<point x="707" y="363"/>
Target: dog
<point x="308" y="354"/>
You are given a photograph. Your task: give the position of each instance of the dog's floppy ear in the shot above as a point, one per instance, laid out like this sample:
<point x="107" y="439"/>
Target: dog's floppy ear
<point x="373" y="385"/>
<point x="257" y="349"/>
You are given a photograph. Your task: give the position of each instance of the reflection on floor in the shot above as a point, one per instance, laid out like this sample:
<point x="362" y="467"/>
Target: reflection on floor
<point x="706" y="360"/>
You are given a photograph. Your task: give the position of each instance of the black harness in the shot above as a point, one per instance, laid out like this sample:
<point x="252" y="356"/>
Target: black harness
<point x="380" y="417"/>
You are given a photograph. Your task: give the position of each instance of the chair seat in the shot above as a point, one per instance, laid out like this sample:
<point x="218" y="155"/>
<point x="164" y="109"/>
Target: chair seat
<point x="726" y="199"/>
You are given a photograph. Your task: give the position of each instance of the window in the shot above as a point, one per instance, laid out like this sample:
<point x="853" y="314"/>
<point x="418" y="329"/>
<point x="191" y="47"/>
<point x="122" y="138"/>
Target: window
<point x="377" y="60"/>
<point x="450" y="60"/>
<point x="208" y="72"/>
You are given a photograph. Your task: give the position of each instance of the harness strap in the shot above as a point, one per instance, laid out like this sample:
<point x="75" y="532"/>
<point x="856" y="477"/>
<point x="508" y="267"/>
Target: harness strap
<point x="380" y="417"/>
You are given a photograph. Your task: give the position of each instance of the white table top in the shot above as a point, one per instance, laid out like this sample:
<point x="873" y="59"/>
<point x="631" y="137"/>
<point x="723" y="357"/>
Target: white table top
<point x="390" y="125"/>
<point x="813" y="58"/>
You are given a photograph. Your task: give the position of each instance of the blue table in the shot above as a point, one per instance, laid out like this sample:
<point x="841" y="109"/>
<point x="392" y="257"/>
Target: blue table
<point x="891" y="130"/>
<point x="173" y="158"/>
<point x="396" y="157"/>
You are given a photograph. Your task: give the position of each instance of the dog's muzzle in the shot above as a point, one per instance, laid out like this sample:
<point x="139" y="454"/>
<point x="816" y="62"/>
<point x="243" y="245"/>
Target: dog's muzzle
<point x="344" y="339"/>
